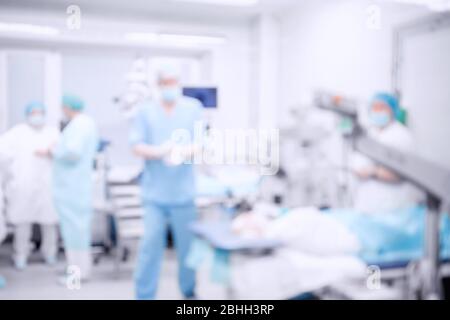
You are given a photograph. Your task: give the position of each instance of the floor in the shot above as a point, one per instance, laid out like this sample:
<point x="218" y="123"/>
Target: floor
<point x="39" y="281"/>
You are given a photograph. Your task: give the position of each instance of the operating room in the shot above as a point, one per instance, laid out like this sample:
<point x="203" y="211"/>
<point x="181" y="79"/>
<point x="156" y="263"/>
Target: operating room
<point x="224" y="149"/>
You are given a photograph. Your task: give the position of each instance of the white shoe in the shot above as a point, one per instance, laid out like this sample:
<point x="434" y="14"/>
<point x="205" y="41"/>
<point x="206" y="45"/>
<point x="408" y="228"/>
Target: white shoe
<point x="20" y="263"/>
<point x="51" y="261"/>
<point x="79" y="262"/>
<point x="2" y="282"/>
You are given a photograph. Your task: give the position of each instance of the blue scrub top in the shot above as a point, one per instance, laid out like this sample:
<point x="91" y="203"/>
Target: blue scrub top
<point x="152" y="125"/>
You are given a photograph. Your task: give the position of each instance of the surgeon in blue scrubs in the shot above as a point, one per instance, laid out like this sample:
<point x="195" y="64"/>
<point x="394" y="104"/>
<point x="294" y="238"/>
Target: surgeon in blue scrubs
<point x="168" y="187"/>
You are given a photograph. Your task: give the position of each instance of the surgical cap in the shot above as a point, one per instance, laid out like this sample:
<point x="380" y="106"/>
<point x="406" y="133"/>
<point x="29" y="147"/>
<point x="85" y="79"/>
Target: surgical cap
<point x="73" y="103"/>
<point x="35" y="105"/>
<point x="168" y="71"/>
<point x="390" y="101"/>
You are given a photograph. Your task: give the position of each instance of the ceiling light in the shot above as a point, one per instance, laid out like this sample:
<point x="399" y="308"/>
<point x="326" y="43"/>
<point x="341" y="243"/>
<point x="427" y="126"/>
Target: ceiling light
<point x="174" y="39"/>
<point x="192" y="39"/>
<point x="28" y="28"/>
<point x="141" y="37"/>
<point x="236" y="3"/>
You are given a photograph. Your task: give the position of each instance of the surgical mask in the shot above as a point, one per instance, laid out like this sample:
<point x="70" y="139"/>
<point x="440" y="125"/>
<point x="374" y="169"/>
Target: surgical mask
<point x="170" y="94"/>
<point x="379" y="119"/>
<point x="36" y="120"/>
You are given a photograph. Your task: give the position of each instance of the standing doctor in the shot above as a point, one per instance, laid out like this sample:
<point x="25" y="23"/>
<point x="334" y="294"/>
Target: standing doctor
<point x="73" y="159"/>
<point x="28" y="190"/>
<point x="168" y="186"/>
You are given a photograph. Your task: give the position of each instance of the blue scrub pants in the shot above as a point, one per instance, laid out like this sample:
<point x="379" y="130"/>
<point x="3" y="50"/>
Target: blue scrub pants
<point x="156" y="219"/>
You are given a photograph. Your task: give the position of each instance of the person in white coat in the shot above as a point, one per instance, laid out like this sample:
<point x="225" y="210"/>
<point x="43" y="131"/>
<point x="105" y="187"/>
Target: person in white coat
<point x="28" y="191"/>
<point x="4" y="163"/>
<point x="381" y="190"/>
<point x="3" y="174"/>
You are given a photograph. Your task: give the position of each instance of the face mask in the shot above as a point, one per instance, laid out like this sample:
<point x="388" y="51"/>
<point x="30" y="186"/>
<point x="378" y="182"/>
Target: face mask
<point x="171" y="94"/>
<point x="380" y="119"/>
<point x="36" y="120"/>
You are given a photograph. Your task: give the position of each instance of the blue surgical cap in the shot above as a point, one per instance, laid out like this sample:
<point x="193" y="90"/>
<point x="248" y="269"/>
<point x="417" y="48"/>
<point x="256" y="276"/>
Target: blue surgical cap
<point x="35" y="105"/>
<point x="73" y="102"/>
<point x="390" y="101"/>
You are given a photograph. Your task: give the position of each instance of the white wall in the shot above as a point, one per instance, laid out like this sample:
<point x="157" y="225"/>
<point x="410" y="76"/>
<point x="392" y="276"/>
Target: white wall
<point x="426" y="91"/>
<point x="229" y="63"/>
<point x="327" y="45"/>
<point x="98" y="79"/>
<point x="266" y="70"/>
<point x="97" y="74"/>
<point x="25" y="83"/>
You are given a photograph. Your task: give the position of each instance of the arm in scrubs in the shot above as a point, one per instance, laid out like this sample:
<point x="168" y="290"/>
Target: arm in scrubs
<point x="168" y="190"/>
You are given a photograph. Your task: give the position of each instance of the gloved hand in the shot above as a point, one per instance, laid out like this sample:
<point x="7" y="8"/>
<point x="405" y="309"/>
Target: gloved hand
<point x="151" y="152"/>
<point x="178" y="155"/>
<point x="164" y="150"/>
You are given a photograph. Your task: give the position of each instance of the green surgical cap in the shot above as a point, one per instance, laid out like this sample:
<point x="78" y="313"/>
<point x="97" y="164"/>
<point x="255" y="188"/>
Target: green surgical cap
<point x="73" y="103"/>
<point x="35" y="105"/>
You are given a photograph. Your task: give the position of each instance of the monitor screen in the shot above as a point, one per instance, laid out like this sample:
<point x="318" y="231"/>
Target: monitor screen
<point x="208" y="96"/>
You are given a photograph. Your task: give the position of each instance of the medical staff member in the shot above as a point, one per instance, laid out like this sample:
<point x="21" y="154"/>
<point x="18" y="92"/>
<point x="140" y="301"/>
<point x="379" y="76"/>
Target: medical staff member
<point x="4" y="166"/>
<point x="28" y="191"/>
<point x="168" y="187"/>
<point x="381" y="190"/>
<point x="73" y="159"/>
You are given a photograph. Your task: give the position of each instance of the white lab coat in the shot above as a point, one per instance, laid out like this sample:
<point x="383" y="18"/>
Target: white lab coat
<point x="375" y="196"/>
<point x="2" y="219"/>
<point x="3" y="170"/>
<point x="28" y="190"/>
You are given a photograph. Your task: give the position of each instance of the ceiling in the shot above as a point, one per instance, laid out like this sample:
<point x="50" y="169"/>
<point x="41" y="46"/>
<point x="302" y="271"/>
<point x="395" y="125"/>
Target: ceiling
<point x="163" y="9"/>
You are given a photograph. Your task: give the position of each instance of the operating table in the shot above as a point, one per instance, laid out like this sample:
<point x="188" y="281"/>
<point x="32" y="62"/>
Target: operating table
<point x="429" y="177"/>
